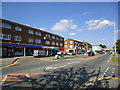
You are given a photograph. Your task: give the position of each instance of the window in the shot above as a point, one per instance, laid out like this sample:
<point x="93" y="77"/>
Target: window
<point x="17" y="28"/>
<point x="0" y="35"/>
<point x="61" y="39"/>
<point x="53" y="43"/>
<point x="53" y="37"/>
<point x="71" y="46"/>
<point x="57" y="38"/>
<point x="71" y="42"/>
<point x="5" y="25"/>
<point x="47" y="35"/>
<point x="61" y="44"/>
<point x="6" y="36"/>
<point x="37" y="41"/>
<point x="47" y="42"/>
<point x="30" y="31"/>
<point x="57" y="44"/>
<point x="17" y="38"/>
<point x="65" y="42"/>
<point x="38" y="33"/>
<point x="65" y="45"/>
<point x="30" y="40"/>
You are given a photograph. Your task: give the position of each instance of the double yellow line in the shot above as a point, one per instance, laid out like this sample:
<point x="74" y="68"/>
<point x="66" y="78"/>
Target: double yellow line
<point x="16" y="62"/>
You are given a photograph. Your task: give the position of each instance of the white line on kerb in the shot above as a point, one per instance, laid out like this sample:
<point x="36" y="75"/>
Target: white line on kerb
<point x="3" y="80"/>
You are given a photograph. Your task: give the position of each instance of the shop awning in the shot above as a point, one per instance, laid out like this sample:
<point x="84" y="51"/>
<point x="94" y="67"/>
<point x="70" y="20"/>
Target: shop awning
<point x="55" y="49"/>
<point x="19" y="45"/>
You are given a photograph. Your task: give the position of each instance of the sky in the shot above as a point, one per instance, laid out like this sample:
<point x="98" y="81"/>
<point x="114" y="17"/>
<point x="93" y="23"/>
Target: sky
<point x="92" y="22"/>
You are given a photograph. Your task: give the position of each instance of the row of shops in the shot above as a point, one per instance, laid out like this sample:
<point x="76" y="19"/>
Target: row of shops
<point x="12" y="50"/>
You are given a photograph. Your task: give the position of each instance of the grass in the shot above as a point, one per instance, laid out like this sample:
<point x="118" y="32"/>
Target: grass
<point x="69" y="57"/>
<point x="115" y="59"/>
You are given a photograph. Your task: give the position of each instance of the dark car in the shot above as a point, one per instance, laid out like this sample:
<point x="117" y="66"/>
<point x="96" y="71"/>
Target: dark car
<point x="91" y="53"/>
<point x="72" y="53"/>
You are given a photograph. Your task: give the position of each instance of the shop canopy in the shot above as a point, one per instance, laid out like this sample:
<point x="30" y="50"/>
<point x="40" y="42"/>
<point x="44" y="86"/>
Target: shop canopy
<point x="19" y="45"/>
<point x="55" y="49"/>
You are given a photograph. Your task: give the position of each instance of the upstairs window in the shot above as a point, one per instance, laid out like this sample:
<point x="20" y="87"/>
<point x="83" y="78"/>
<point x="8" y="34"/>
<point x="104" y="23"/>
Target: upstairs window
<point x="47" y="42"/>
<point x="61" y="44"/>
<point x="7" y="26"/>
<point x="53" y="37"/>
<point x="38" y="33"/>
<point x="61" y="39"/>
<point x="30" y="40"/>
<point x="6" y="36"/>
<point x="17" y="28"/>
<point x="53" y="43"/>
<point x="57" y="38"/>
<point x="37" y="41"/>
<point x="30" y="31"/>
<point x="71" y="42"/>
<point x="17" y="38"/>
<point x="57" y="44"/>
<point x="48" y="35"/>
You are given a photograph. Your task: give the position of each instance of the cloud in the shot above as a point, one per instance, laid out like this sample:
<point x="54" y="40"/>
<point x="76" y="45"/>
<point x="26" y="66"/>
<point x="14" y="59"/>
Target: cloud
<point x="72" y="33"/>
<point x="43" y="28"/>
<point x="98" y="24"/>
<point x="64" y="25"/>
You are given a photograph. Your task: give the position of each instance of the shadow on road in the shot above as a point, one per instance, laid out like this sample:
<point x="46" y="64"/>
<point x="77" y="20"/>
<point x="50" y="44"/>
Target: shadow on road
<point x="62" y="78"/>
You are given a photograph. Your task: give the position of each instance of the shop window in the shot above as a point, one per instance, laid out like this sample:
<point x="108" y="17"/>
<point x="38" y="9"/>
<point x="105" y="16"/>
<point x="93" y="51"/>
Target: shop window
<point x="38" y="33"/>
<point x="30" y="40"/>
<point x="30" y="31"/>
<point x="47" y="42"/>
<point x="17" y="28"/>
<point x="7" y="26"/>
<point x="17" y="38"/>
<point x="6" y="36"/>
<point x="37" y="41"/>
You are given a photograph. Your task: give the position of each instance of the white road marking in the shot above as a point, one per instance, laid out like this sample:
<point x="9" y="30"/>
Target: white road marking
<point x="105" y="71"/>
<point x="3" y="80"/>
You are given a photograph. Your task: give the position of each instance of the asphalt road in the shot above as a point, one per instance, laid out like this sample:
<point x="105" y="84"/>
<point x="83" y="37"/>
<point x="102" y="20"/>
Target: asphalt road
<point x="76" y="71"/>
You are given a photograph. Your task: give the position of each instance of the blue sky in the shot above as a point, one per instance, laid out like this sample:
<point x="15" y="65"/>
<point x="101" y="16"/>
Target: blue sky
<point x="84" y="21"/>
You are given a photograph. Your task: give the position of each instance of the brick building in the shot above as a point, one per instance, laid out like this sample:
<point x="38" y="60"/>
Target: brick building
<point x="71" y="45"/>
<point x="88" y="46"/>
<point x="21" y="40"/>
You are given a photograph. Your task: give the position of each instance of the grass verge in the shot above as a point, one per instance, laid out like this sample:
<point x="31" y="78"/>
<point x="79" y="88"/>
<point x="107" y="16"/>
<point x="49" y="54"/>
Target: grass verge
<point x="69" y="57"/>
<point x="115" y="59"/>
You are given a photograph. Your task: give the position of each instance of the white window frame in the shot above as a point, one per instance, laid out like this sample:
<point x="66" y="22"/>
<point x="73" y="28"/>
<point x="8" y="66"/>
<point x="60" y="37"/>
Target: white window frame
<point x="17" y="38"/>
<point x="30" y="41"/>
<point x="37" y="41"/>
<point x="65" y="42"/>
<point x="31" y="31"/>
<point x="6" y="25"/>
<point x="18" y="28"/>
<point x="71" y="46"/>
<point x="65" y="45"/>
<point x="9" y="37"/>
<point x="71" y="42"/>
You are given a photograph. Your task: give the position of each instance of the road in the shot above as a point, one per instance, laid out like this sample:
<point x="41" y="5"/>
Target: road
<point x="75" y="72"/>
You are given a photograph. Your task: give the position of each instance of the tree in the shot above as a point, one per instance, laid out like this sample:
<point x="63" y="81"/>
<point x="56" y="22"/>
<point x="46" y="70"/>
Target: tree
<point x="118" y="46"/>
<point x="103" y="46"/>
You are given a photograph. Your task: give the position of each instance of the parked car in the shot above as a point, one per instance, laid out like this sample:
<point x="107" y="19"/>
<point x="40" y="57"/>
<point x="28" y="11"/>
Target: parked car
<point x="101" y="52"/>
<point x="91" y="53"/>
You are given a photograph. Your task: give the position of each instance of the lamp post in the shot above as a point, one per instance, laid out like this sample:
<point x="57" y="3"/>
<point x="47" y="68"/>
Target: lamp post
<point x="114" y="37"/>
